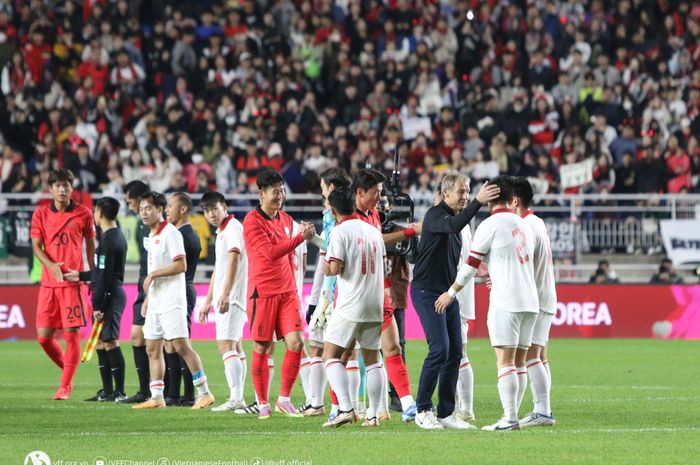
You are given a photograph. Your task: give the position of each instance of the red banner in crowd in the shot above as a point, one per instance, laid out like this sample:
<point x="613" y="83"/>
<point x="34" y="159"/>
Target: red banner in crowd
<point x="582" y="311"/>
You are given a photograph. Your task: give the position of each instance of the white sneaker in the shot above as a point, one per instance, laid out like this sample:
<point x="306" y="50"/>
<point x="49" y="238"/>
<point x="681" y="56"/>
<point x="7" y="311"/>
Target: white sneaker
<point x="537" y="419"/>
<point x="466" y="416"/>
<point x="228" y="406"/>
<point x="427" y="420"/>
<point x="502" y="425"/>
<point x="453" y="421"/>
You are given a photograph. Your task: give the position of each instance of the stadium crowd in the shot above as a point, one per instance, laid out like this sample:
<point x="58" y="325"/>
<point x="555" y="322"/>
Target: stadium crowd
<point x="197" y="95"/>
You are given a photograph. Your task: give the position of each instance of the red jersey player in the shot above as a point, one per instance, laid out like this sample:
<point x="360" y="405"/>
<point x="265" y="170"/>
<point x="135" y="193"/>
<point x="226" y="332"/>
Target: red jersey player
<point x="273" y="305"/>
<point x="368" y="187"/>
<point x="58" y="230"/>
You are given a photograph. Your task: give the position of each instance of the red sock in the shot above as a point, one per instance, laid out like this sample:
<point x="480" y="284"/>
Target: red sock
<point x="398" y="375"/>
<point x="52" y="349"/>
<point x="334" y="398"/>
<point x="71" y="358"/>
<point x="261" y="376"/>
<point x="290" y="371"/>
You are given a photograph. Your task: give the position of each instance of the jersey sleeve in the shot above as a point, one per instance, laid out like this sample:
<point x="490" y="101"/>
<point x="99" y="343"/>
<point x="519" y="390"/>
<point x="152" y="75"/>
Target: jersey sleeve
<point x="257" y="240"/>
<point x="37" y="229"/>
<point x="89" y="226"/>
<point x="336" y="247"/>
<point x="176" y="245"/>
<point x="234" y="239"/>
<point x="482" y="240"/>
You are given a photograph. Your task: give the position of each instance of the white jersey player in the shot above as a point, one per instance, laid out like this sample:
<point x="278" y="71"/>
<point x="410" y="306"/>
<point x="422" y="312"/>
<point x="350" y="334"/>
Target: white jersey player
<point x="356" y="255"/>
<point x="536" y="357"/>
<point x="227" y="291"/>
<point x="503" y="241"/>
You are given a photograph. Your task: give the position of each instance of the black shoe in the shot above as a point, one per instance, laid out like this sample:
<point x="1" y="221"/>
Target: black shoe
<point x="101" y="396"/>
<point x="395" y="404"/>
<point x="185" y="403"/>
<point x="170" y="401"/>
<point x="118" y="396"/>
<point x="135" y="399"/>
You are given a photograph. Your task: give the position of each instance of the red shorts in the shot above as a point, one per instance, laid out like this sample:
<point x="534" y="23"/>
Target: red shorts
<point x="61" y="307"/>
<point x="274" y="315"/>
<point x="388" y="311"/>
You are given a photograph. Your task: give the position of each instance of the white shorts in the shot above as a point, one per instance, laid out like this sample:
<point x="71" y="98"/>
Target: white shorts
<point x="169" y="325"/>
<point x="229" y="325"/>
<point x="316" y="338"/>
<point x="509" y="329"/>
<point x="341" y="332"/>
<point x="465" y="330"/>
<point x="540" y="335"/>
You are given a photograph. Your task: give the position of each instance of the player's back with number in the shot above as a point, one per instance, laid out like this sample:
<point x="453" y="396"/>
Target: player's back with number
<point x="505" y="242"/>
<point x="360" y="248"/>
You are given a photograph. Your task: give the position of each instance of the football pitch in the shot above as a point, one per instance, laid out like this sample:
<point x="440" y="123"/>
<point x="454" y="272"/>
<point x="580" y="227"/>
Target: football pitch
<point x="616" y="402"/>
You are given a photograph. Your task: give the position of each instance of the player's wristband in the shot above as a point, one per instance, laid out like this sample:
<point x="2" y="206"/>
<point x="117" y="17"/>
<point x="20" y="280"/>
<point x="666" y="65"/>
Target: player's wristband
<point x="408" y="233"/>
<point x="451" y="292"/>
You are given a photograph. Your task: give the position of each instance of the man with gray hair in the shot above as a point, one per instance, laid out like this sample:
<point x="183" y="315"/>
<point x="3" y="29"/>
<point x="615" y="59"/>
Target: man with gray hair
<point x="435" y="270"/>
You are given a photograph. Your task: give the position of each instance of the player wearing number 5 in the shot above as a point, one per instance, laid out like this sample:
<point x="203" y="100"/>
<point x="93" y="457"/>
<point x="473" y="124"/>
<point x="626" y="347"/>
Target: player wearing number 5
<point x="58" y="231"/>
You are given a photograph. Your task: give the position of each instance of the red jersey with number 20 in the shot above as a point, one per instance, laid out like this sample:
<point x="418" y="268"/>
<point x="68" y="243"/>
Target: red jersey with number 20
<point x="62" y="233"/>
<point x="270" y="246"/>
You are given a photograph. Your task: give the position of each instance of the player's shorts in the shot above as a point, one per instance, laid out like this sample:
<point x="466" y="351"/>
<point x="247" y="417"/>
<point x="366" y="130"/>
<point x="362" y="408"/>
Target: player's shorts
<point x="388" y="311"/>
<point x="342" y="332"/>
<point x="540" y="335"/>
<point x="509" y="329"/>
<point x="138" y="319"/>
<point x="168" y="326"/>
<point x="465" y="330"/>
<point x="316" y="337"/>
<point x="274" y="315"/>
<point x="113" y="315"/>
<point x="229" y="325"/>
<point x="62" y="307"/>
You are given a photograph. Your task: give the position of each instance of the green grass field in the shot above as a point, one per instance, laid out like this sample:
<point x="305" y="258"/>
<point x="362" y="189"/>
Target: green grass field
<point x="616" y="402"/>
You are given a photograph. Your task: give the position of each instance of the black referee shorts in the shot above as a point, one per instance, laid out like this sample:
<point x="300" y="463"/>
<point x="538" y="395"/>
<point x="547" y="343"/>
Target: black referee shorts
<point x="113" y="315"/>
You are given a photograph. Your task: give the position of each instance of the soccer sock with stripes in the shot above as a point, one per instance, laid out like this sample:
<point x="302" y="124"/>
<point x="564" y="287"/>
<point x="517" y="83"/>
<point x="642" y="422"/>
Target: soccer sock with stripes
<point x="156" y="387"/>
<point x="244" y="370"/>
<point x="338" y="379"/>
<point x="261" y="374"/>
<point x="290" y="372"/>
<point x="232" y="370"/>
<point x="538" y="386"/>
<point x="53" y="349"/>
<point x="186" y="381"/>
<point x="304" y="375"/>
<point x="172" y="361"/>
<point x="465" y="387"/>
<point x="352" y="368"/>
<point x="376" y="389"/>
<point x="199" y="379"/>
<point x="508" y="391"/>
<point x="116" y="360"/>
<point x="71" y="357"/>
<point x="317" y="379"/>
<point x="103" y="363"/>
<point x="522" y="387"/>
<point x="142" y="368"/>
<point x="398" y="375"/>
<point x="270" y="376"/>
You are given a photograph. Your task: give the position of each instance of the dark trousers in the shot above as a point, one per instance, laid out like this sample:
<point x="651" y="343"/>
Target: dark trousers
<point x="444" y="336"/>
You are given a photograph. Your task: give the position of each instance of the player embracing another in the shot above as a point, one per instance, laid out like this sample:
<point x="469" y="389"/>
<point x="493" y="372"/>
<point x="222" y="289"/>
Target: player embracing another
<point x="355" y="254"/>
<point x="227" y="290"/>
<point x="273" y="304"/>
<point x="58" y="231"/>
<point x="165" y="307"/>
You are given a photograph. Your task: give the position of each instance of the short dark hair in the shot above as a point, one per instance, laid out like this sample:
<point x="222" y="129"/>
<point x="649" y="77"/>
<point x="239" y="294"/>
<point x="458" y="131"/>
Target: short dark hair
<point x="367" y="178"/>
<point x="211" y="198"/>
<point x="109" y="207"/>
<point x="268" y="177"/>
<point x="135" y="189"/>
<point x="155" y="198"/>
<point x="342" y="200"/>
<point x="62" y="175"/>
<point x="523" y="190"/>
<point x="184" y="200"/>
<point x="505" y="183"/>
<point x="336" y="176"/>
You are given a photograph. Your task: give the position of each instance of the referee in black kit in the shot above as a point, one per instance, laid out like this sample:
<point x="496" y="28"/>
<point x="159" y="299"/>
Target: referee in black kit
<point x="179" y="209"/>
<point x="434" y="272"/>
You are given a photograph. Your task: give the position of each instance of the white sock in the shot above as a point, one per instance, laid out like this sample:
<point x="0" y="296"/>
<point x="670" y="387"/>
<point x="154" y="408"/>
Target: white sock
<point x="384" y="404"/>
<point x="304" y="369"/>
<point x="232" y="368"/>
<point x="352" y="368"/>
<point x="406" y="401"/>
<point x="199" y="379"/>
<point x="244" y="371"/>
<point x="156" y="386"/>
<point x="338" y="379"/>
<point x="271" y="370"/>
<point x="282" y="399"/>
<point x="317" y="379"/>
<point x="522" y="387"/>
<point x="376" y="386"/>
<point x="545" y="364"/>
<point x="508" y="391"/>
<point x="465" y="387"/>
<point x="538" y="386"/>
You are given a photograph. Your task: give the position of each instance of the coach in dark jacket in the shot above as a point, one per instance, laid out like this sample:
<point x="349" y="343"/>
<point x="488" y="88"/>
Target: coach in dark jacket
<point x="435" y="271"/>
